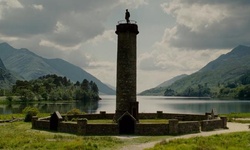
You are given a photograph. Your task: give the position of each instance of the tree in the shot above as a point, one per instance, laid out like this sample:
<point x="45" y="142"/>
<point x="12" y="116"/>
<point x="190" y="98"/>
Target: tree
<point x="85" y="85"/>
<point x="169" y="92"/>
<point x="94" y="87"/>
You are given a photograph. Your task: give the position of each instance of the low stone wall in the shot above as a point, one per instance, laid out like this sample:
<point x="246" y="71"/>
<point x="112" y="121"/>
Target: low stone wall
<point x="41" y="124"/>
<point x="152" y="129"/>
<point x="174" y="127"/>
<point x="102" y="115"/>
<point x="181" y="117"/>
<point x="209" y="125"/>
<point x="157" y="115"/>
<point x="68" y="127"/>
<point x="102" y="129"/>
<point x="189" y="127"/>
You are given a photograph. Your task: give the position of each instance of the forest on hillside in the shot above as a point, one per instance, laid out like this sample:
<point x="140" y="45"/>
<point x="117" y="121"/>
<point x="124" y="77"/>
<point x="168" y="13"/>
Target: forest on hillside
<point x="52" y="87"/>
<point x="238" y="89"/>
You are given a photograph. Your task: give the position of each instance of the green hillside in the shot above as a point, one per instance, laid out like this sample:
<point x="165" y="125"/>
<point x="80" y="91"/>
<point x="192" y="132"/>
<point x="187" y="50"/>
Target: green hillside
<point x="161" y="88"/>
<point x="7" y="79"/>
<point x="31" y="66"/>
<point x="225" y="70"/>
<point x="208" y="81"/>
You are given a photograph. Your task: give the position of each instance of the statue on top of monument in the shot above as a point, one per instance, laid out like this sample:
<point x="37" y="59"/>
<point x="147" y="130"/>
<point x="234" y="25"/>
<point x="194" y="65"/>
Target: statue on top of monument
<point x="127" y="15"/>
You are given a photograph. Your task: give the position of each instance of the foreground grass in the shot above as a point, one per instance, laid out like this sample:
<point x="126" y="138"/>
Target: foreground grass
<point x="142" y="121"/>
<point x="238" y="117"/>
<point x="19" y="135"/>
<point x="232" y="141"/>
<point x="11" y="116"/>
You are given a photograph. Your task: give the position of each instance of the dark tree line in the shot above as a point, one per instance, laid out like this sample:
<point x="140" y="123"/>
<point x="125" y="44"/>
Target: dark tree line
<point x="53" y="87"/>
<point x="197" y="91"/>
<point x="238" y="89"/>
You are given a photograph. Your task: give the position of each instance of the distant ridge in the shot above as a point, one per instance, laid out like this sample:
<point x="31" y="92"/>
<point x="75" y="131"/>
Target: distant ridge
<point x="160" y="89"/>
<point x="226" y="68"/>
<point x="31" y="66"/>
<point x="7" y="79"/>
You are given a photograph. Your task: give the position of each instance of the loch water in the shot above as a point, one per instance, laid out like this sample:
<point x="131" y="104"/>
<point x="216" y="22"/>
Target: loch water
<point x="147" y="104"/>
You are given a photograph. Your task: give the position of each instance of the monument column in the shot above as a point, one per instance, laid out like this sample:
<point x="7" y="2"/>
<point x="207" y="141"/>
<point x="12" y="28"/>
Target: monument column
<point x="126" y="70"/>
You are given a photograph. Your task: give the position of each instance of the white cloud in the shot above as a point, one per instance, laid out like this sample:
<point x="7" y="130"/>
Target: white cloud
<point x="196" y="16"/>
<point x="82" y="32"/>
<point x="11" y="4"/>
<point x="108" y="35"/>
<point x="134" y="3"/>
<point x="207" y="24"/>
<point x="59" y="47"/>
<point x="38" y="7"/>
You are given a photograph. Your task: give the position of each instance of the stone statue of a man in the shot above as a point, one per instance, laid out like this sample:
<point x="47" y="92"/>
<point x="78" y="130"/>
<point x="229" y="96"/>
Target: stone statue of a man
<point x="127" y="15"/>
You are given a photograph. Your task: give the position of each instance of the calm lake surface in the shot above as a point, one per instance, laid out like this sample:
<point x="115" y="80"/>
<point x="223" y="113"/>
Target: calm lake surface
<point x="192" y="105"/>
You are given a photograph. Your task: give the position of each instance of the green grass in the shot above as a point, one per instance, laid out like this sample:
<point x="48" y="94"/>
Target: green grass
<point x="232" y="141"/>
<point x="236" y="117"/>
<point x="19" y="135"/>
<point x="165" y="121"/>
<point x="11" y="116"/>
<point x="143" y="121"/>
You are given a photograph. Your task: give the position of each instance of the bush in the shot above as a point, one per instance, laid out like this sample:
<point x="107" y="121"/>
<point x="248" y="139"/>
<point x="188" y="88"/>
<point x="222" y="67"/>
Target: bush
<point x="9" y="98"/>
<point x="74" y="111"/>
<point x="30" y="112"/>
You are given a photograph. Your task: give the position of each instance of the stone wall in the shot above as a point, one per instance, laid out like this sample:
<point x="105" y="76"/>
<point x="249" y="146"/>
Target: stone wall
<point x="68" y="127"/>
<point x="102" y="129"/>
<point x="157" y="115"/>
<point x="174" y="127"/>
<point x="102" y="115"/>
<point x="41" y="124"/>
<point x="209" y="125"/>
<point x="152" y="129"/>
<point x="189" y="127"/>
<point x="182" y="117"/>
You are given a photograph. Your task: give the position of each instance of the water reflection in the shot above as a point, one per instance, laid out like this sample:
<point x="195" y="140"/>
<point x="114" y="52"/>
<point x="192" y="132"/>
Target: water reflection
<point x="146" y="104"/>
<point x="49" y="107"/>
<point x="180" y="105"/>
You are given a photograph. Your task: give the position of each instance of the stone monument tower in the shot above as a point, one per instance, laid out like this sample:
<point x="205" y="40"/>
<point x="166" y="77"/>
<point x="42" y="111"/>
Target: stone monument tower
<point x="126" y="70"/>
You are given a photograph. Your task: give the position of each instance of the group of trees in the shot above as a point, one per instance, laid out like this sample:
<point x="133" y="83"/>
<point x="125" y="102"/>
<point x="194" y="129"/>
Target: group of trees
<point x="197" y="91"/>
<point x="53" y="87"/>
<point x="238" y="89"/>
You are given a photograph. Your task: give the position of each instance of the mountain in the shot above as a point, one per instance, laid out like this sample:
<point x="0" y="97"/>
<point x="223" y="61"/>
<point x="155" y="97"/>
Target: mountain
<point x="225" y="69"/>
<point x="7" y="79"/>
<point x="171" y="81"/>
<point x="161" y="88"/>
<point x="31" y="66"/>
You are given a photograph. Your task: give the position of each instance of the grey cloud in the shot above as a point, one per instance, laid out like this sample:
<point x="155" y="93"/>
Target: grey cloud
<point x="83" y="19"/>
<point x="227" y="32"/>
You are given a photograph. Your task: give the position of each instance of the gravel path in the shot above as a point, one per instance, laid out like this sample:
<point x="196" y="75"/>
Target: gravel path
<point x="233" y="127"/>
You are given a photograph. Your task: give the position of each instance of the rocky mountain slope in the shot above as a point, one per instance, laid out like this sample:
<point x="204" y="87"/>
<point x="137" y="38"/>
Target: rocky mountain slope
<point x="225" y="69"/>
<point x="31" y="66"/>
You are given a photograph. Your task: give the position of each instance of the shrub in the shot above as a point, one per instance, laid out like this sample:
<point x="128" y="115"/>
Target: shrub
<point x="74" y="111"/>
<point x="9" y="98"/>
<point x="30" y="112"/>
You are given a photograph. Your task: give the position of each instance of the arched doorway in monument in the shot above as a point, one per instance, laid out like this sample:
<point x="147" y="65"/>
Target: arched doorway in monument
<point x="126" y="124"/>
<point x="54" y="120"/>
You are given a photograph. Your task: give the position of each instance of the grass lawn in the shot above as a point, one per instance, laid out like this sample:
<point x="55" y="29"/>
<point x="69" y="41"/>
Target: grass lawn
<point x="19" y="135"/>
<point x="143" y="121"/>
<point x="238" y="117"/>
<point x="232" y="141"/>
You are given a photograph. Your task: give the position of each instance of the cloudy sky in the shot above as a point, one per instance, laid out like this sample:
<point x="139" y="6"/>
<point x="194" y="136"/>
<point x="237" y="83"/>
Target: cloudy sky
<point x="176" y="36"/>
